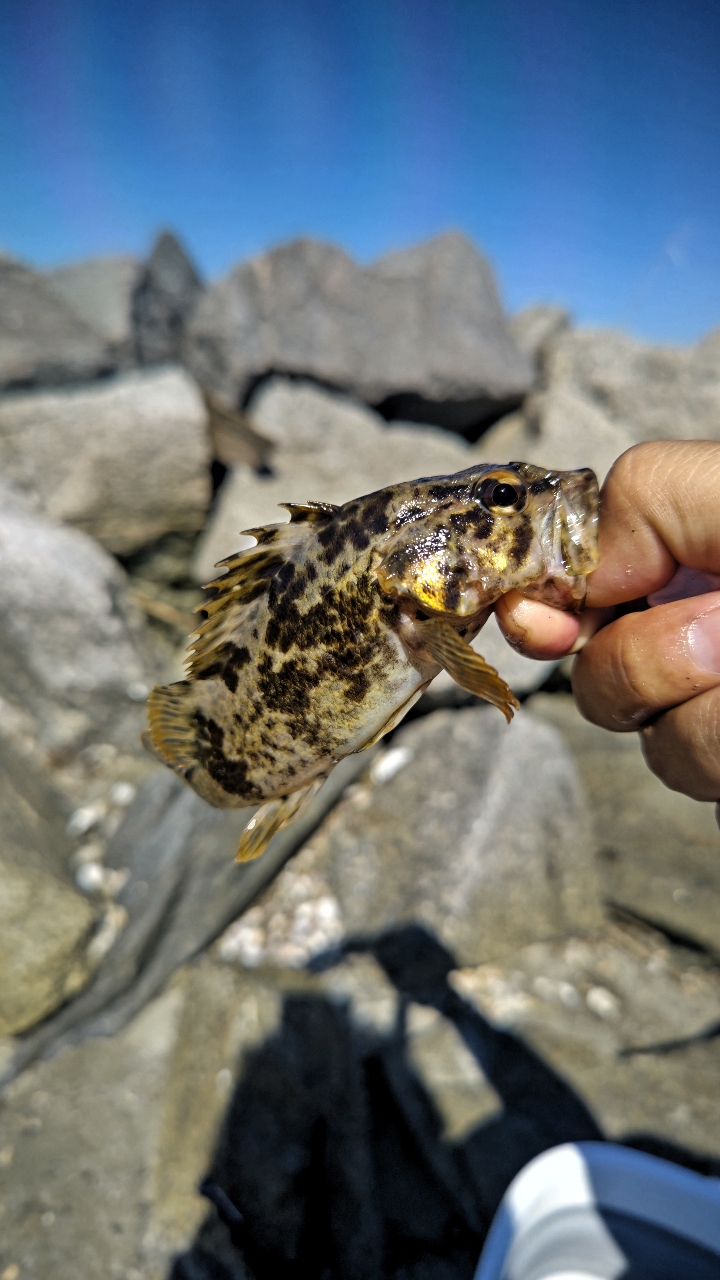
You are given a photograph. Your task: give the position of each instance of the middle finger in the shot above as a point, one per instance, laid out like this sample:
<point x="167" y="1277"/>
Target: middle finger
<point x="645" y="662"/>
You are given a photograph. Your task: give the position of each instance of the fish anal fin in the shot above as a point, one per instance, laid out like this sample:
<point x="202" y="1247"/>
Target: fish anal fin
<point x="271" y="818"/>
<point x="467" y="668"/>
<point x="171" y="735"/>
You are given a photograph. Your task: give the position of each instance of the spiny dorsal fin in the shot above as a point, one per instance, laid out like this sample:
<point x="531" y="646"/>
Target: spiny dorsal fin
<point x="309" y="512"/>
<point x="249" y="574"/>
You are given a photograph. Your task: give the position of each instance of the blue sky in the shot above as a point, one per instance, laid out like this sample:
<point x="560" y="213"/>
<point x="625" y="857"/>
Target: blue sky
<point x="576" y="141"/>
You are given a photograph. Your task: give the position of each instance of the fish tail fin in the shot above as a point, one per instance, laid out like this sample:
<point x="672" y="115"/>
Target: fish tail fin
<point x="172" y="732"/>
<point x="271" y="818"/>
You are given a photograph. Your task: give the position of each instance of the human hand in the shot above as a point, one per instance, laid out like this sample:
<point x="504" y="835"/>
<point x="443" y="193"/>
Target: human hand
<point x="656" y="671"/>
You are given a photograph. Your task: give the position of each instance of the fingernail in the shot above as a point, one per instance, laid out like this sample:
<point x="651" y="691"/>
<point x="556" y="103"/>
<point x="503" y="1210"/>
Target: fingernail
<point x="704" y="640"/>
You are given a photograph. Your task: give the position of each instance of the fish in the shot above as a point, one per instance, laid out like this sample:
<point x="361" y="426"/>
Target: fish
<point x="320" y="638"/>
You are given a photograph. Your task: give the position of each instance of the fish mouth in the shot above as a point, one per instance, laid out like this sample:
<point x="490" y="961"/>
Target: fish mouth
<point x="569" y="539"/>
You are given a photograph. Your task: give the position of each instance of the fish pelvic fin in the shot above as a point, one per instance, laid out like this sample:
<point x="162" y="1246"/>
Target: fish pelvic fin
<point x="467" y="668"/>
<point x="271" y="818"/>
<point x="172" y="732"/>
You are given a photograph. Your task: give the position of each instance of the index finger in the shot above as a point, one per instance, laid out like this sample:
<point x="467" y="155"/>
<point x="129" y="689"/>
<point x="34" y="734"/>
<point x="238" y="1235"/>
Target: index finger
<point x="659" y="509"/>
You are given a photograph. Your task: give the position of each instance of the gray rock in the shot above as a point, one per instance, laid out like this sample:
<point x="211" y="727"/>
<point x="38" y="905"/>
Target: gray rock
<point x="428" y="1098"/>
<point x="654" y="392"/>
<point x="659" y="851"/>
<point x="71" y="650"/>
<point x="535" y="329"/>
<point x="80" y="1137"/>
<point x="106" y="1144"/>
<point x="125" y="460"/>
<point x="165" y="296"/>
<point x="44" y="926"/>
<point x="420" y="331"/>
<point x="461" y="824"/>
<point x="42" y="341"/>
<point x="327" y="448"/>
<point x="602" y="391"/>
<point x="560" y="428"/>
<point x="182" y="889"/>
<point x="99" y="292"/>
<point x="586" y="1006"/>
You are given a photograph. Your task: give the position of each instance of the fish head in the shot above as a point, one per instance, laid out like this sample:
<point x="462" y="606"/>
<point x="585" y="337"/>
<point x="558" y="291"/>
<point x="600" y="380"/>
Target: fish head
<point x="457" y="543"/>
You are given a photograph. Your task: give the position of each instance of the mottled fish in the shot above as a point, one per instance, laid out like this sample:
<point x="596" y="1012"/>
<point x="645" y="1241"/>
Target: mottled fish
<point x="320" y="638"/>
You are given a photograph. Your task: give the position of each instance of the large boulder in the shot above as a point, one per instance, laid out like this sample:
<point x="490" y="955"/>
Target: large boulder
<point x="327" y="448"/>
<point x="658" y="851"/>
<point x="71" y="650"/>
<point x="99" y="292"/>
<point x="475" y="830"/>
<point x="420" y="332"/>
<point x="562" y="428"/>
<point x="535" y="330"/>
<point x="44" y="923"/>
<point x="42" y="340"/>
<point x="165" y="295"/>
<point x="602" y="391"/>
<point x="125" y="460"/>
<point x="655" y="392"/>
<point x="44" y="926"/>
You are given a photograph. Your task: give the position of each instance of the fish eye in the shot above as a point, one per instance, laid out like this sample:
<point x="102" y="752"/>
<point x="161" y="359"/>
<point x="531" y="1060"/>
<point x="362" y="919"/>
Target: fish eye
<point x="500" y="496"/>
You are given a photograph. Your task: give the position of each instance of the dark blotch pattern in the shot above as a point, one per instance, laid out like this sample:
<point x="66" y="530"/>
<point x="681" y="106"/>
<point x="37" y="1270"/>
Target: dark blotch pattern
<point x="231" y="775"/>
<point x="520" y="546"/>
<point x="230" y="659"/>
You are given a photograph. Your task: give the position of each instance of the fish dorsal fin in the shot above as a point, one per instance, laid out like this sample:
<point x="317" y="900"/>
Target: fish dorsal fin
<point x="248" y="576"/>
<point x="467" y="668"/>
<point x="310" y="512"/>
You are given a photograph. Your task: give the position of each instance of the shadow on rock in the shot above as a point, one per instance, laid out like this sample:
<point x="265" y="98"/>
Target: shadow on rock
<point x="332" y="1161"/>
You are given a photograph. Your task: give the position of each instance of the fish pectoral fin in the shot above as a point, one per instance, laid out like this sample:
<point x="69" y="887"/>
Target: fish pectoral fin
<point x="271" y="818"/>
<point x="468" y="668"/>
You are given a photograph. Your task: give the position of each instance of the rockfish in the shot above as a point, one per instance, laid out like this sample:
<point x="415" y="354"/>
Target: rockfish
<point x="320" y="638"/>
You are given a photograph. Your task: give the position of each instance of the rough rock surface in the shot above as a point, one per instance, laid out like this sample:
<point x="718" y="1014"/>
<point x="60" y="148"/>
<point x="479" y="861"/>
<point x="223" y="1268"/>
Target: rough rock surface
<point x="475" y="829"/>
<point x="99" y="292"/>
<point x="179" y="888"/>
<point x="125" y="460"/>
<point x="165" y="296"/>
<point x="657" y="392"/>
<point x="71" y="650"/>
<point x="561" y="428"/>
<point x="42" y="341"/>
<point x="327" y="448"/>
<point x="43" y="926"/>
<point x="659" y="852"/>
<point x="601" y="391"/>
<point x="406" y="1092"/>
<point x="420" y="331"/>
<point x="535" y="330"/>
<point x="44" y="923"/>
